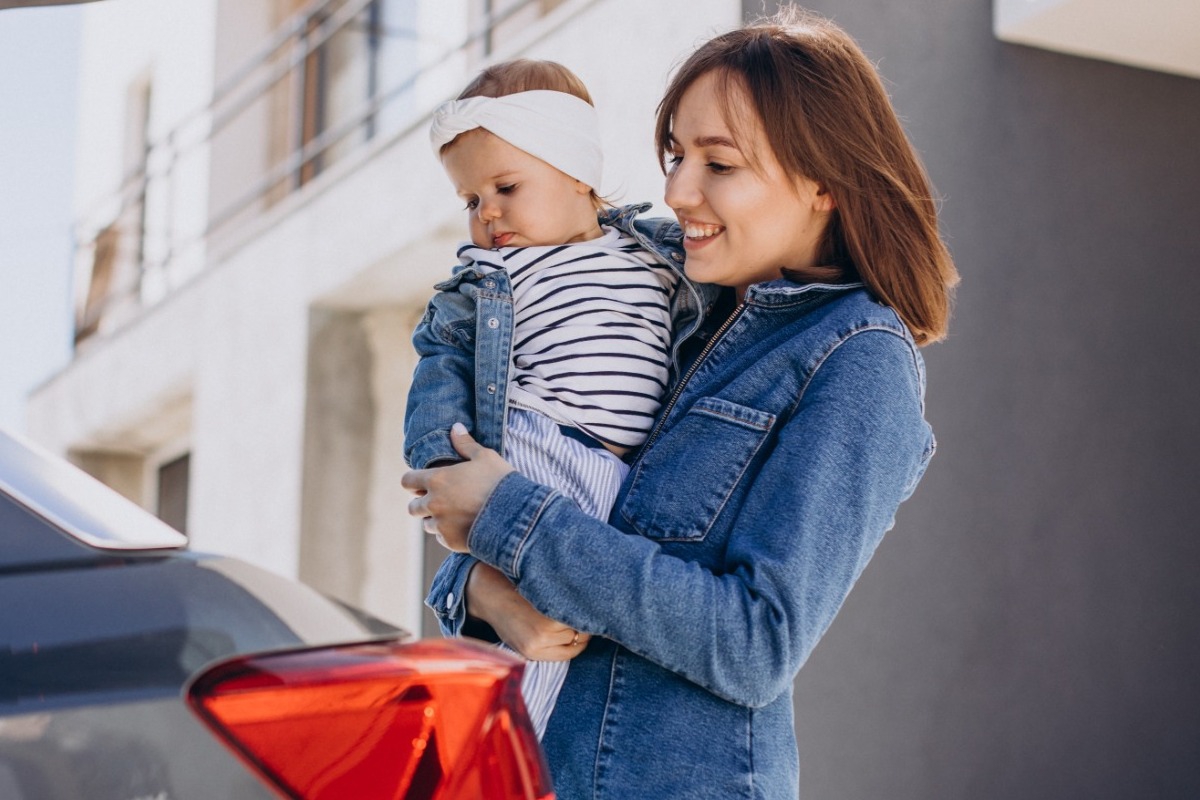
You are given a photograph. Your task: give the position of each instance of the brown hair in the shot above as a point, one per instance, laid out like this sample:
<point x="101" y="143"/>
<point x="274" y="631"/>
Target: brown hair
<point x="528" y="75"/>
<point x="525" y="75"/>
<point x="828" y="118"/>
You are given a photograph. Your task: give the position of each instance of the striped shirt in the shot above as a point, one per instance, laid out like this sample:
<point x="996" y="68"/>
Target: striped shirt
<point x="591" y="334"/>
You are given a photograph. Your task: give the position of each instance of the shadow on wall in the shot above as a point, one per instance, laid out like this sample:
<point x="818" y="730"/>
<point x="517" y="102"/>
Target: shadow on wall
<point x="1028" y="628"/>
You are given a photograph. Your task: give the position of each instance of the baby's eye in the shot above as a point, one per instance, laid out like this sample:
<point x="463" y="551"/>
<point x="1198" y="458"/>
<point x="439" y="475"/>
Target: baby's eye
<point x="473" y="204"/>
<point x="509" y="189"/>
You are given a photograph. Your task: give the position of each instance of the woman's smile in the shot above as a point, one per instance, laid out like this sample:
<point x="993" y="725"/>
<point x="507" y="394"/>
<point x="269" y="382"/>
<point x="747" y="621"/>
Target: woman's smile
<point x="699" y="234"/>
<point x="744" y="218"/>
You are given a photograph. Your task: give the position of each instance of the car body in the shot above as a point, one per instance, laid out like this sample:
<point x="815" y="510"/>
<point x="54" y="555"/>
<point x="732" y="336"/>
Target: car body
<point x="132" y="668"/>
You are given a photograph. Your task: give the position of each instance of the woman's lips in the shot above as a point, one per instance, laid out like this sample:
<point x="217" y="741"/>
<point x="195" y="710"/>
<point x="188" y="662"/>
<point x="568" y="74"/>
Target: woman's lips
<point x="699" y="234"/>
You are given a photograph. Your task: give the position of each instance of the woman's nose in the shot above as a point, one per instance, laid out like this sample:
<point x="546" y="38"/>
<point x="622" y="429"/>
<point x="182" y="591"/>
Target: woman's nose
<point x="681" y="190"/>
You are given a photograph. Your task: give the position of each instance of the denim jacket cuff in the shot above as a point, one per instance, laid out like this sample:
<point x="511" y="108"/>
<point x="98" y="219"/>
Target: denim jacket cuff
<point x="432" y="448"/>
<point x="447" y="594"/>
<point x="506" y="522"/>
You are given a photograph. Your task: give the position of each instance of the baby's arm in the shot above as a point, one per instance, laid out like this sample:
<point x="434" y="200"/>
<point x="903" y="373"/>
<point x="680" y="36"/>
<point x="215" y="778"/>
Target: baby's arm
<point x="442" y="390"/>
<point x="442" y="394"/>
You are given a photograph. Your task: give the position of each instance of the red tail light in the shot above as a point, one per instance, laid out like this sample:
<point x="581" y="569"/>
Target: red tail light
<point x="436" y="720"/>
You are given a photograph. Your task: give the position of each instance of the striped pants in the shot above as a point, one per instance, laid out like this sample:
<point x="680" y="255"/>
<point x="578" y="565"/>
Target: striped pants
<point x="590" y="476"/>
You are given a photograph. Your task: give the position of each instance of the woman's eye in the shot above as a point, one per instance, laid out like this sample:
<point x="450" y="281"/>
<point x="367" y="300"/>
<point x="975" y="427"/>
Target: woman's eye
<point x="672" y="160"/>
<point x="719" y="169"/>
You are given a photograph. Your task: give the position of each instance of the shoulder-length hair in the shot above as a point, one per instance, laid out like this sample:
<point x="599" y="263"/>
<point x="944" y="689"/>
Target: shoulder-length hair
<point x="828" y="118"/>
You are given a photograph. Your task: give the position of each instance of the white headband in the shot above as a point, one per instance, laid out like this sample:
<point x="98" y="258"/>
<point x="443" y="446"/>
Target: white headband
<point x="558" y="128"/>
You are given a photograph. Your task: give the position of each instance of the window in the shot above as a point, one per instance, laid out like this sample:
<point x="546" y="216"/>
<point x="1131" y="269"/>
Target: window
<point x="113" y="274"/>
<point x="353" y="58"/>
<point x="502" y="18"/>
<point x="172" y="501"/>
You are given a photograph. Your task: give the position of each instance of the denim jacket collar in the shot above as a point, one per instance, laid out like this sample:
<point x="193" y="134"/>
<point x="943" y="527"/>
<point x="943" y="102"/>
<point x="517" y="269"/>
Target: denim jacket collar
<point x="663" y="237"/>
<point x="784" y="293"/>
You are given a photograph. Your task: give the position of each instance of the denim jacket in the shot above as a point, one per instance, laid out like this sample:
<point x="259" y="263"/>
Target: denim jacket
<point x="465" y="346"/>
<point x="774" y="470"/>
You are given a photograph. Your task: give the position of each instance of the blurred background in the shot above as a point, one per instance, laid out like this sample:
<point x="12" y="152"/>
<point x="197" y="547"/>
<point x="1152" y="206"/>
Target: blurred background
<point x="221" y="219"/>
<point x="39" y="65"/>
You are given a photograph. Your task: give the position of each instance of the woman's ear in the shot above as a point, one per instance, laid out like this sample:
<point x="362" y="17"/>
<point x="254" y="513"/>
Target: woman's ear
<point x="823" y="199"/>
<point x="817" y="195"/>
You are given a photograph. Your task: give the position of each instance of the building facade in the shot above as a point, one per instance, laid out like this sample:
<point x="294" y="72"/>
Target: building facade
<point x="1029" y="628"/>
<point x="261" y="221"/>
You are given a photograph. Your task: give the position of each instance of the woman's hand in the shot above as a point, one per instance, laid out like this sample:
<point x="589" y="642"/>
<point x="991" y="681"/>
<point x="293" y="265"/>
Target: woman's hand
<point x="449" y="498"/>
<point x="492" y="598"/>
<point x="447" y="501"/>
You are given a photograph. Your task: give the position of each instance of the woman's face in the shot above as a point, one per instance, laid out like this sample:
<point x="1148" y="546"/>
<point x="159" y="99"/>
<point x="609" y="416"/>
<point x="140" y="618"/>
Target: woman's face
<point x="743" y="216"/>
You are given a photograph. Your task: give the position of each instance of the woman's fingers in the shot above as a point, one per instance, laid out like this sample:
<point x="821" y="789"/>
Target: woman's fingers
<point x="563" y="646"/>
<point x="464" y="443"/>
<point x="492" y="598"/>
<point x="543" y="639"/>
<point x="448" y="498"/>
<point x="417" y="480"/>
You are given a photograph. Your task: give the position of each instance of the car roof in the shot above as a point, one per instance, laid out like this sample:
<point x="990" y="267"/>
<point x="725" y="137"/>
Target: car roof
<point x="76" y="503"/>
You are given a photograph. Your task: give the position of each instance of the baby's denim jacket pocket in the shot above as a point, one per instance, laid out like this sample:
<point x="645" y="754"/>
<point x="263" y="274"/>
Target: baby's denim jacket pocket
<point x="683" y="482"/>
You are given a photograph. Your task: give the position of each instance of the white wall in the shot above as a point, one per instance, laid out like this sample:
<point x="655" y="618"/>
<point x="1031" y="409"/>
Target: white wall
<point x="372" y="234"/>
<point x="172" y="46"/>
<point x="625" y="51"/>
<point x="1152" y="34"/>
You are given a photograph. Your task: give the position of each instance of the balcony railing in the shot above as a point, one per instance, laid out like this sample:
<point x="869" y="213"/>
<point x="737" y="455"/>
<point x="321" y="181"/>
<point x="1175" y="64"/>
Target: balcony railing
<point x="336" y="76"/>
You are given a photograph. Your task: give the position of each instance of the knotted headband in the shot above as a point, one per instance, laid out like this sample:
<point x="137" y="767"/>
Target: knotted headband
<point x="558" y="128"/>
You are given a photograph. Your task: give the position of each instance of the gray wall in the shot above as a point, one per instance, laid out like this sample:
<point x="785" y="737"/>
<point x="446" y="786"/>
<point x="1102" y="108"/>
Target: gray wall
<point x="1029" y="627"/>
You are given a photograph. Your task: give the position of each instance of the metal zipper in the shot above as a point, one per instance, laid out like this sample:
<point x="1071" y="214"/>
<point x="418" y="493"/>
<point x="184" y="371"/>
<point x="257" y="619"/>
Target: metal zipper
<point x="679" y="387"/>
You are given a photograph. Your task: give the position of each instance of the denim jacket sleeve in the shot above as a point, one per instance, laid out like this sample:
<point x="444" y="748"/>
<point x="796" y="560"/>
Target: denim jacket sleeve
<point x="447" y="599"/>
<point x="443" y="384"/>
<point x="819" y="502"/>
<point x="442" y="393"/>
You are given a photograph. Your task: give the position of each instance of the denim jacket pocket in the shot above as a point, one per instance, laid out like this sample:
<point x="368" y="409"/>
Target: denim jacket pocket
<point x="711" y="447"/>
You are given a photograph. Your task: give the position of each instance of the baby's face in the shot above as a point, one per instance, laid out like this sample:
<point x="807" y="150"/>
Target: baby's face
<point x="514" y="199"/>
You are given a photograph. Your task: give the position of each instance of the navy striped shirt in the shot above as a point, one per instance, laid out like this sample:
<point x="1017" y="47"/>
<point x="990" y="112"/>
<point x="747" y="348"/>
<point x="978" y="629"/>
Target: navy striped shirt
<point x="592" y="332"/>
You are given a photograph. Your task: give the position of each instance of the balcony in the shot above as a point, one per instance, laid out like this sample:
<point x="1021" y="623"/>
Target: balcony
<point x="332" y="83"/>
<point x="253" y="286"/>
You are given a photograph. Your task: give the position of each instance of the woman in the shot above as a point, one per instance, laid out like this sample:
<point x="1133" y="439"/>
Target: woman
<point x="794" y="430"/>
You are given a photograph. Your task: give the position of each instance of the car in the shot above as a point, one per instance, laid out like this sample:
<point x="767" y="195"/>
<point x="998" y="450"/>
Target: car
<point x="132" y="668"/>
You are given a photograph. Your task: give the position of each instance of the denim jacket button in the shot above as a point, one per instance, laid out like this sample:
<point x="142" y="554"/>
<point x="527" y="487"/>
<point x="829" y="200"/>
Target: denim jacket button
<point x="491" y="388"/>
<point x="676" y="257"/>
<point x="449" y="601"/>
<point x="493" y="323"/>
<point x="489" y="284"/>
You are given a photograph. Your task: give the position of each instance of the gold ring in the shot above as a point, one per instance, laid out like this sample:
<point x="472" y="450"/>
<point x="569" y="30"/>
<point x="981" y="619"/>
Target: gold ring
<point x="575" y="640"/>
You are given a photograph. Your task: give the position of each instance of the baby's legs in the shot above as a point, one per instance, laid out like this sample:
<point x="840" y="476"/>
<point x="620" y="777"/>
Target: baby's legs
<point x="591" y="476"/>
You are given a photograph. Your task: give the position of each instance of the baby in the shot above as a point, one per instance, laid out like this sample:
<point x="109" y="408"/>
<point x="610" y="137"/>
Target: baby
<point x="551" y="339"/>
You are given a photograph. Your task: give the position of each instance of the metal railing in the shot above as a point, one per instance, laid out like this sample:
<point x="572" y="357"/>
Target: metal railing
<point x="137" y="245"/>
